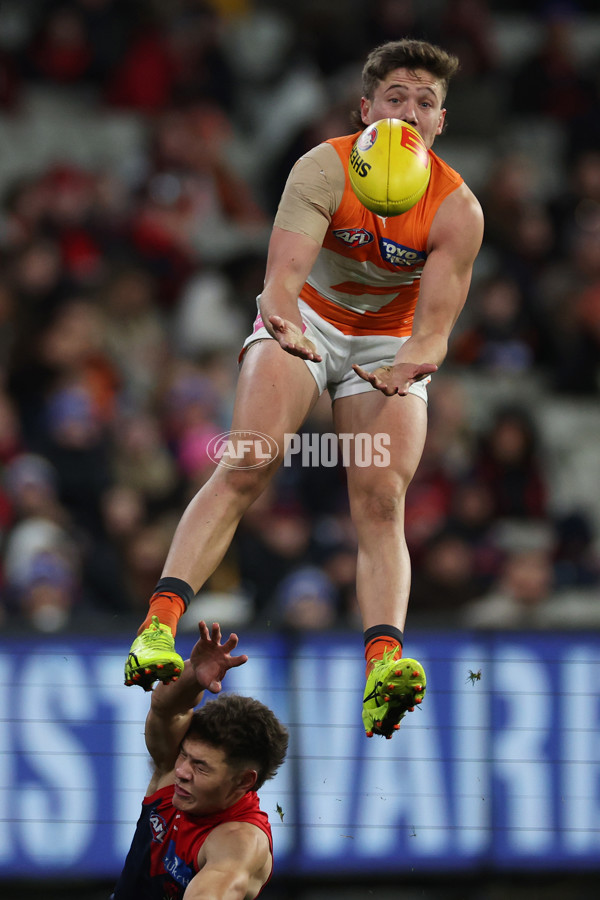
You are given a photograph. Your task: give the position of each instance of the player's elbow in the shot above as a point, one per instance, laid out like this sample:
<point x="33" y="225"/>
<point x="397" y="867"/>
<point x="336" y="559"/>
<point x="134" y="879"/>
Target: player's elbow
<point x="159" y="702"/>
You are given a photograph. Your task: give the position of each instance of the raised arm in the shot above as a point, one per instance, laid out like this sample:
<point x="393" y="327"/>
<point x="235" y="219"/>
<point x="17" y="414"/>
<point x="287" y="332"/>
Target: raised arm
<point x="172" y="705"/>
<point x="235" y="861"/>
<point x="454" y="243"/>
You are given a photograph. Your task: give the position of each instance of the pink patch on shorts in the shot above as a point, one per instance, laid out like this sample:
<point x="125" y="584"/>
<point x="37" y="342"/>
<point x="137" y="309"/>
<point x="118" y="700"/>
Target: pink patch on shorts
<point x="258" y="324"/>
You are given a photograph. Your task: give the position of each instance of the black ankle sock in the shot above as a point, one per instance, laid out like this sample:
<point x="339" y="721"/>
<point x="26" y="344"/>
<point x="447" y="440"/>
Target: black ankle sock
<point x="384" y="631"/>
<point x="175" y="586"/>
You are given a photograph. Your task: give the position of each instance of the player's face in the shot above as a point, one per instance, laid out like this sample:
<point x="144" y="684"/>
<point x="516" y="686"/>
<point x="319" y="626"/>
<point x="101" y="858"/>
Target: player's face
<point x="204" y="782"/>
<point x="414" y="96"/>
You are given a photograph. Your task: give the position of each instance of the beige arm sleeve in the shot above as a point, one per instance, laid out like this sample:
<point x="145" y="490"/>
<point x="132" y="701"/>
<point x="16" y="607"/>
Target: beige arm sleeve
<point x="312" y="193"/>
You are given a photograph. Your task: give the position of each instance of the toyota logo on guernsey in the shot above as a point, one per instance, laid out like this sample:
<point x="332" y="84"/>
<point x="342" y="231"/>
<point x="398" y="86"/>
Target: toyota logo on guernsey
<point x="242" y="449"/>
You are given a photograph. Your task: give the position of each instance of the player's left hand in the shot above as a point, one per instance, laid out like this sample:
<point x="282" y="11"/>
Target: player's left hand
<point x="211" y="659"/>
<point x="396" y="379"/>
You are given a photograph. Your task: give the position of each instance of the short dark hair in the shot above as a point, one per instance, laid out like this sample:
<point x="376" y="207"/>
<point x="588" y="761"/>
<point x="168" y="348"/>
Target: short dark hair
<point x="407" y="53"/>
<point x="247" y="731"/>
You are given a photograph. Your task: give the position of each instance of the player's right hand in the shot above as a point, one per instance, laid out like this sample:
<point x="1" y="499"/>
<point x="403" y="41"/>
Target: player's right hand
<point x="291" y="339"/>
<point x="211" y="659"/>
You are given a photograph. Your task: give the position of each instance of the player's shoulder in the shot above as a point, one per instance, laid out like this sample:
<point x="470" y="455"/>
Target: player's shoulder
<point x="458" y="222"/>
<point x="324" y="156"/>
<point x="242" y="839"/>
<point x="464" y="200"/>
<point x="319" y="175"/>
<point x="451" y="187"/>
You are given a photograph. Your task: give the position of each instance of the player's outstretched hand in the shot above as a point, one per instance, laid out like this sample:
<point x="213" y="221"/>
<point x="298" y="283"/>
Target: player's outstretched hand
<point x="211" y="659"/>
<point x="291" y="339"/>
<point x="396" y="379"/>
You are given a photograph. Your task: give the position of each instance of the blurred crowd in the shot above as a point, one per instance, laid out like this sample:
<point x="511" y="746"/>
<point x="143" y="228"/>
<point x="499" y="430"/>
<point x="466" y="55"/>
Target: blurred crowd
<point x="126" y="290"/>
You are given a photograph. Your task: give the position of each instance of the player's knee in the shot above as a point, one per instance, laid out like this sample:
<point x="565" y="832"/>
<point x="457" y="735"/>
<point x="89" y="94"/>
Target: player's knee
<point x="247" y="483"/>
<point x="383" y="504"/>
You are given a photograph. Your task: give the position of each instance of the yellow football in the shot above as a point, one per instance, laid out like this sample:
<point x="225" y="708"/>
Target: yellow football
<point x="389" y="167"/>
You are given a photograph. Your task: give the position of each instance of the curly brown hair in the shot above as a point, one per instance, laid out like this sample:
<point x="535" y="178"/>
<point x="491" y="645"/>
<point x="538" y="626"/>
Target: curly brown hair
<point x="246" y="730"/>
<point x="407" y="53"/>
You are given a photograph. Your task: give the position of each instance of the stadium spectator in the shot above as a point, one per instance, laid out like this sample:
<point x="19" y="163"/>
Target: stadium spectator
<point x="519" y="597"/>
<point x="526" y="596"/>
<point x="41" y="553"/>
<point x="501" y="339"/>
<point x="134" y="333"/>
<point x="141" y="458"/>
<point x="471" y="517"/>
<point x="576" y="559"/>
<point x="510" y="466"/>
<point x="61" y="49"/>
<point x="445" y="580"/>
<point x="305" y="600"/>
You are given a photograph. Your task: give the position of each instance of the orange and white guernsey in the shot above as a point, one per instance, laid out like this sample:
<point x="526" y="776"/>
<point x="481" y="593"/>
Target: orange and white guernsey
<point x="366" y="277"/>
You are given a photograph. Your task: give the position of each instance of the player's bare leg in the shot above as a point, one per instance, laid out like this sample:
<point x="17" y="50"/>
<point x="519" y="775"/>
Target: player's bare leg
<point x="275" y="393"/>
<point x="377" y="503"/>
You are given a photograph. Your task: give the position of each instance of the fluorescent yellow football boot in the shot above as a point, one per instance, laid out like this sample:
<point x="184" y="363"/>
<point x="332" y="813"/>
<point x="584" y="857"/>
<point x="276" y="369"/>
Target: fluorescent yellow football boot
<point x="394" y="687"/>
<point x="152" y="657"/>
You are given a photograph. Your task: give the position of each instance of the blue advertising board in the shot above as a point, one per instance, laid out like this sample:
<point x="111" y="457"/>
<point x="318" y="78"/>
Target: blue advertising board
<point x="500" y="771"/>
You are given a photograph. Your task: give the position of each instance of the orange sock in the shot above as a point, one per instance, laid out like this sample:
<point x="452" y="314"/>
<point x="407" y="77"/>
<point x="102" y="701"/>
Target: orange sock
<point x="170" y="599"/>
<point x="168" y="607"/>
<point x="375" y="648"/>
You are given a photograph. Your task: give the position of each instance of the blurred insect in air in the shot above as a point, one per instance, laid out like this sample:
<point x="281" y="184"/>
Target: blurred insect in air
<point x="474" y="676"/>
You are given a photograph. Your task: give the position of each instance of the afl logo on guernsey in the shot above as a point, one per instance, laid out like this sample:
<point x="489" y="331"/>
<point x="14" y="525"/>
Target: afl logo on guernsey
<point x="353" y="237"/>
<point x="158" y="827"/>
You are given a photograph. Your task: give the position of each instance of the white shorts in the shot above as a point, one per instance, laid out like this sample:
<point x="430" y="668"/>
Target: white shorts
<point x="339" y="351"/>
